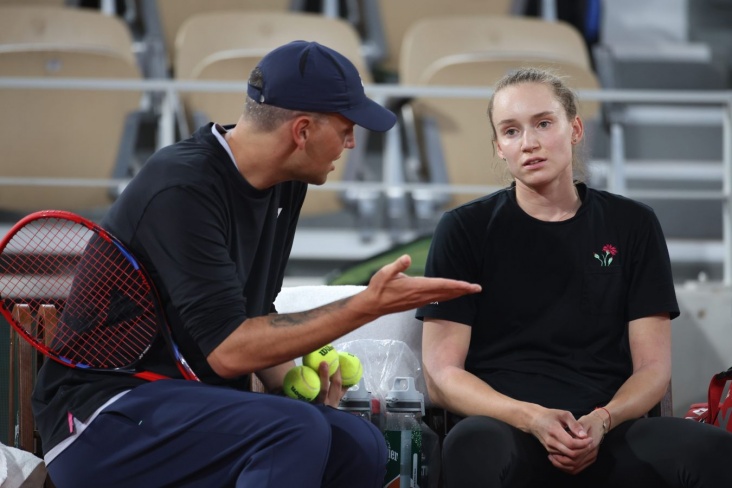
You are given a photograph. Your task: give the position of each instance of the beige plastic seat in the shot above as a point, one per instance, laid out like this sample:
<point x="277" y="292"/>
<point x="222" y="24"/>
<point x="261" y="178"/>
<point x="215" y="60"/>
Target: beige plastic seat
<point x="60" y="133"/>
<point x="58" y="3"/>
<point x="436" y="41"/>
<point x="38" y="27"/>
<point x="173" y="14"/>
<point x="241" y="39"/>
<point x="398" y="16"/>
<point x="451" y="137"/>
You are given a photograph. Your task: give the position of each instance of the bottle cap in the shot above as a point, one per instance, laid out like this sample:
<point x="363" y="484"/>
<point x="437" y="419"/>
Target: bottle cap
<point x="356" y="398"/>
<point x="404" y="396"/>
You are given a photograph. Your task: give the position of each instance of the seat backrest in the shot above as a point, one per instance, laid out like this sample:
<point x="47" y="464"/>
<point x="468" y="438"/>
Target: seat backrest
<point x="174" y="13"/>
<point x="62" y="133"/>
<point x="241" y="40"/>
<point x="452" y="38"/>
<point x="47" y="26"/>
<point x="58" y="3"/>
<point x="205" y="38"/>
<point x="398" y="16"/>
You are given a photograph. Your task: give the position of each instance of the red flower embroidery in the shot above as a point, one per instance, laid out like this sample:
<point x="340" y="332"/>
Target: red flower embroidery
<point x="607" y="258"/>
<point x="609" y="248"/>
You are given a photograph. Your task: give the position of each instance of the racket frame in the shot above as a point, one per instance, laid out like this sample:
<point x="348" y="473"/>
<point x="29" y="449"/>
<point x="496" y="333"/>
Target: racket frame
<point x="15" y="317"/>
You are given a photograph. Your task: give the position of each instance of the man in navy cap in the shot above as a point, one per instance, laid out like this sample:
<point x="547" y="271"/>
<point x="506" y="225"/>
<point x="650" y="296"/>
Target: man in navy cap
<point x="212" y="218"/>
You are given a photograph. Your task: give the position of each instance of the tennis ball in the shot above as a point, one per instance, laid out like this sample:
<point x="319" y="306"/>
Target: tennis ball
<point x="351" y="368"/>
<point x="326" y="353"/>
<point x="302" y="383"/>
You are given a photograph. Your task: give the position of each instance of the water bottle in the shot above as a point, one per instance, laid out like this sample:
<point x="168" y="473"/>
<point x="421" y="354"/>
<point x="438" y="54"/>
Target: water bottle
<point x="377" y="416"/>
<point x="431" y="458"/>
<point x="357" y="400"/>
<point x="413" y="447"/>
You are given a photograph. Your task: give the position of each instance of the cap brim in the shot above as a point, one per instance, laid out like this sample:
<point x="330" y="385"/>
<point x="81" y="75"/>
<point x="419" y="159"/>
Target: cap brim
<point x="370" y="115"/>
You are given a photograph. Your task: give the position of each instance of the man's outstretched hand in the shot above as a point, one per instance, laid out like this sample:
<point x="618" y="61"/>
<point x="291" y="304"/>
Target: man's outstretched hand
<point x="391" y="291"/>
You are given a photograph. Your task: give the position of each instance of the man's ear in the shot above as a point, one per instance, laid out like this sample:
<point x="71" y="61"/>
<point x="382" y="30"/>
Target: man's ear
<point x="300" y="129"/>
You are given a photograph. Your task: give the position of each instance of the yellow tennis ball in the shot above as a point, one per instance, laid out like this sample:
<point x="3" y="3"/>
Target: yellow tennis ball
<point x="302" y="383"/>
<point x="351" y="368"/>
<point x="326" y="353"/>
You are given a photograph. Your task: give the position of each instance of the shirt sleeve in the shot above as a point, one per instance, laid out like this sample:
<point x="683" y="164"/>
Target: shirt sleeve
<point x="651" y="290"/>
<point x="451" y="255"/>
<point x="183" y="232"/>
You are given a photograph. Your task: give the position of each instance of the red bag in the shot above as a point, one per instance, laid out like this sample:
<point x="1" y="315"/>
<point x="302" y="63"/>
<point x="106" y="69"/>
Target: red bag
<point x="715" y="411"/>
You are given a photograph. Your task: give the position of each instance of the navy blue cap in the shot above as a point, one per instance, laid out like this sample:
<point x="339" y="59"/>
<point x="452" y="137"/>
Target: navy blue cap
<point x="311" y="77"/>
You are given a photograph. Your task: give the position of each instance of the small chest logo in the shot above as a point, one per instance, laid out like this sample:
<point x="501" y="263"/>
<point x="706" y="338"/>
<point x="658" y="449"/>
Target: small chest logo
<point x="607" y="254"/>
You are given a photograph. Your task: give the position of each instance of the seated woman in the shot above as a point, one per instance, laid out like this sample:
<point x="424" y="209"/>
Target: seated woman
<point x="553" y="366"/>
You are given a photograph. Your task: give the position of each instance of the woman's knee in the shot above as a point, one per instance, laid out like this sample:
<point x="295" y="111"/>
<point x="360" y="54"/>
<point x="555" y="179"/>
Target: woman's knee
<point x="490" y="435"/>
<point x="482" y="451"/>
<point x="708" y="461"/>
<point x="474" y="442"/>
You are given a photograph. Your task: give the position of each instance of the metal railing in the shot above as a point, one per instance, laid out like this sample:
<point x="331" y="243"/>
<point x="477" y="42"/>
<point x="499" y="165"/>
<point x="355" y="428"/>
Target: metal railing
<point x="716" y="109"/>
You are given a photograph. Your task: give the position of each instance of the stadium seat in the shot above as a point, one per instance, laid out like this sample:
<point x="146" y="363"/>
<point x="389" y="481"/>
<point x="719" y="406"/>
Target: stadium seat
<point x="450" y="137"/>
<point x="392" y="20"/>
<point x="41" y="26"/>
<point x="241" y="39"/>
<point x="436" y="41"/>
<point x="165" y="17"/>
<point x="57" y="3"/>
<point x="85" y="136"/>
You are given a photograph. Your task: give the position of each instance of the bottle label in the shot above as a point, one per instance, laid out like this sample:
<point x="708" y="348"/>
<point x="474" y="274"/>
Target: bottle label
<point x="405" y="458"/>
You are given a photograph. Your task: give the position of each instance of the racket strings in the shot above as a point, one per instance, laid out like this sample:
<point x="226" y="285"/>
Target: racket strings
<point x="101" y="330"/>
<point x="106" y="311"/>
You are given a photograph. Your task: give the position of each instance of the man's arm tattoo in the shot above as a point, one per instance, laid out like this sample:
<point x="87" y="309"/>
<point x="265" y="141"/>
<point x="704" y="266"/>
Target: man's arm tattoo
<point x="298" y="318"/>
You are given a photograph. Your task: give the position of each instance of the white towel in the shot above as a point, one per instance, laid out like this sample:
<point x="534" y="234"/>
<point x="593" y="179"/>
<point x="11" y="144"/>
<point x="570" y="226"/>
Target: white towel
<point x="20" y="469"/>
<point x="400" y="326"/>
<point x="299" y="298"/>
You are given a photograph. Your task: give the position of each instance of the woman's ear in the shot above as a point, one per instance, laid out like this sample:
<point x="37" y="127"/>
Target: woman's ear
<point x="498" y="150"/>
<point x="578" y="130"/>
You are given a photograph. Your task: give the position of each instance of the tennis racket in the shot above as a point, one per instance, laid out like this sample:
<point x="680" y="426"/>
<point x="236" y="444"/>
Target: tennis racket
<point x="78" y="296"/>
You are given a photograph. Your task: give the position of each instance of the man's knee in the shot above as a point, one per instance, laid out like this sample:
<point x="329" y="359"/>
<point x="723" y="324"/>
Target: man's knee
<point x="309" y="424"/>
<point x="359" y="448"/>
<point x="372" y="441"/>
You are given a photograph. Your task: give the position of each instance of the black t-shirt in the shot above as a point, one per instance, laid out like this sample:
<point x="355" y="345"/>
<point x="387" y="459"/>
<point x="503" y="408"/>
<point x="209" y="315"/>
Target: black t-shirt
<point x="550" y="325"/>
<point x="216" y="249"/>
